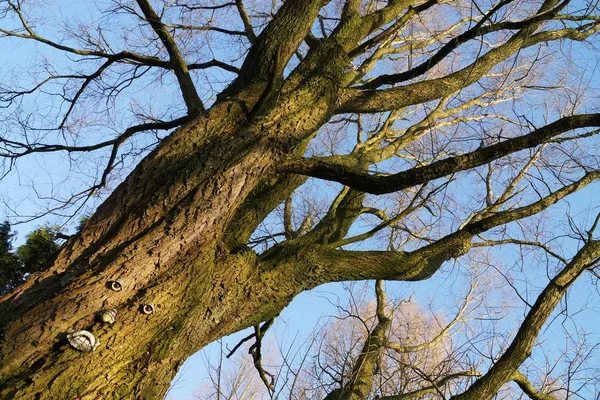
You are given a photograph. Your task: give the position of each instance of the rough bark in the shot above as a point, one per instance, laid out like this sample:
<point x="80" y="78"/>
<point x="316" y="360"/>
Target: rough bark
<point x="165" y="221"/>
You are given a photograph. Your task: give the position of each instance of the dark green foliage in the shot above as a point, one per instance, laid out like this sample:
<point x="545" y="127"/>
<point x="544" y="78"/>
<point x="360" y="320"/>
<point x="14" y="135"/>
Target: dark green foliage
<point x="35" y="255"/>
<point x="83" y="222"/>
<point x="39" y="249"/>
<point x="10" y="271"/>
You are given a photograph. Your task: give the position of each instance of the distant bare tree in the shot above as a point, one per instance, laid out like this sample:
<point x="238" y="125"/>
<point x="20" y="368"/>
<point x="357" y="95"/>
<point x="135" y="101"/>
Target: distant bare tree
<point x="400" y="350"/>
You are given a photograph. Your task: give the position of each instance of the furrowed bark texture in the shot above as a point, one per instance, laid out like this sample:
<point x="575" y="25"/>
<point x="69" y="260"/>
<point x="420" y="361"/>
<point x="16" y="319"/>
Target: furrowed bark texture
<point x="173" y="233"/>
<point x="162" y="233"/>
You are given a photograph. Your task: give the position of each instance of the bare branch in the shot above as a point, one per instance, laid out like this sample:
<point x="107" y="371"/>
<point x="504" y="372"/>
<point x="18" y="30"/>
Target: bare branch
<point x="369" y="100"/>
<point x="477" y="30"/>
<point x="248" y="30"/>
<point x="190" y="95"/>
<point x="256" y="351"/>
<point x="520" y="348"/>
<point x="21" y="149"/>
<point x="434" y="388"/>
<point x="529" y="389"/>
<point x="320" y="168"/>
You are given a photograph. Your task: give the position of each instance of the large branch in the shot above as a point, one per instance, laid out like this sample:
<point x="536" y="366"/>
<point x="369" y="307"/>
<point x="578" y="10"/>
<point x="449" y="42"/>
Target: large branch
<point x="342" y="213"/>
<point x="391" y="11"/>
<point x="261" y="201"/>
<point x="504" y="369"/>
<point x="249" y="31"/>
<point x="360" y="180"/>
<point x="276" y="44"/>
<point x="390" y="31"/>
<point x="529" y="389"/>
<point x="353" y="28"/>
<point x="477" y="30"/>
<point x="190" y="95"/>
<point x="392" y="265"/>
<point x="365" y="100"/>
<point x="325" y="264"/>
<point x="361" y="378"/>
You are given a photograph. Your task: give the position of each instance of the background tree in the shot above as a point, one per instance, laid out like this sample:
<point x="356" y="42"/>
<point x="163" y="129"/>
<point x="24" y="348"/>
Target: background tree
<point x="34" y="255"/>
<point x="435" y="133"/>
<point x="240" y="383"/>
<point x="10" y="274"/>
<point x="39" y="249"/>
<point x="390" y="350"/>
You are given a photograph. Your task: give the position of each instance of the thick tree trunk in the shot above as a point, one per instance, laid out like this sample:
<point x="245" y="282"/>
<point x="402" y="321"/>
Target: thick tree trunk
<point x="162" y="233"/>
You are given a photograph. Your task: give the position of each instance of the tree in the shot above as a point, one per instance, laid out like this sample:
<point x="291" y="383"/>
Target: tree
<point x="406" y="353"/>
<point x="382" y="350"/>
<point x="415" y="99"/>
<point x="420" y="358"/>
<point x="33" y="256"/>
<point x="39" y="249"/>
<point x="10" y="275"/>
<point x="242" y="383"/>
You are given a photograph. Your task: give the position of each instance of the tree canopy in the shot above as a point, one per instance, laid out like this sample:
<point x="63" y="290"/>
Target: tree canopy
<point x="234" y="154"/>
<point x="9" y="266"/>
<point x="34" y="255"/>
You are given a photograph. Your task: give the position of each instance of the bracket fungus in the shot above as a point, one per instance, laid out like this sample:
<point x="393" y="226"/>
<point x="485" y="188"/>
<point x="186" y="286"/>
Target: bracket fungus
<point x="147" y="309"/>
<point x="107" y="316"/>
<point x="117" y="285"/>
<point x="83" y="341"/>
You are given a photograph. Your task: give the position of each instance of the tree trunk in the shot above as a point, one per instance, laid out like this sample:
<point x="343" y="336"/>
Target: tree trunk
<point x="163" y="234"/>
